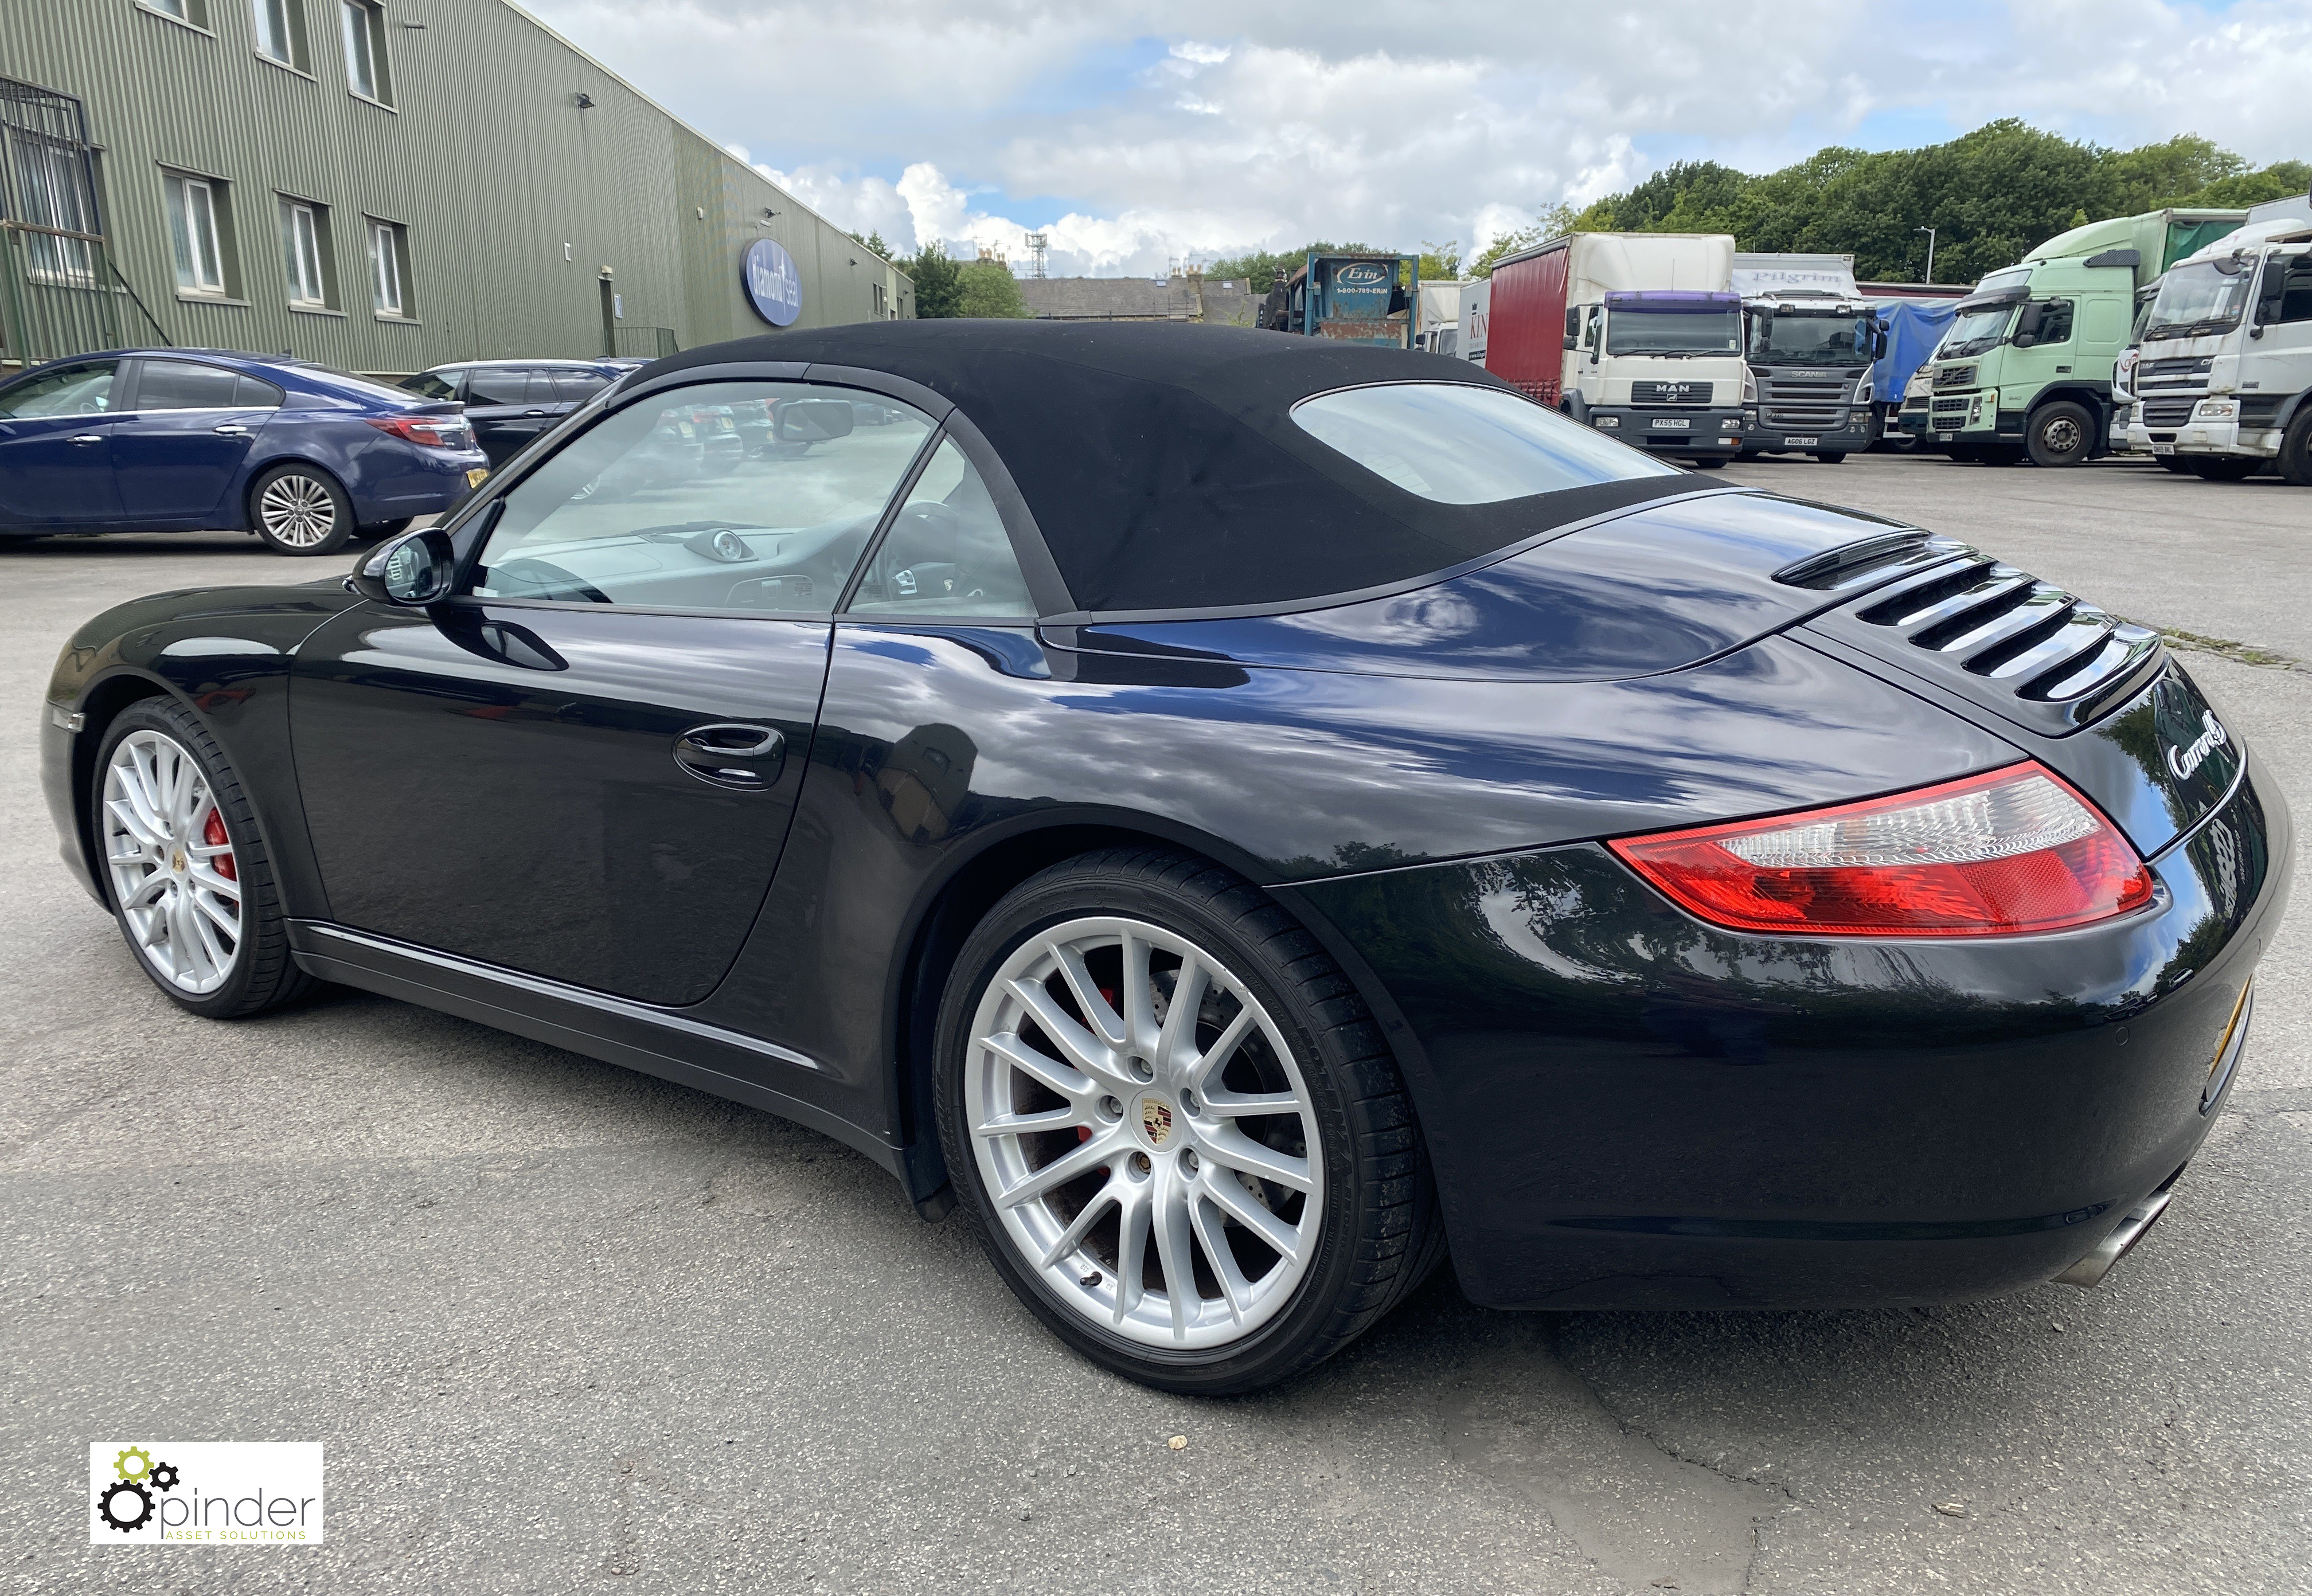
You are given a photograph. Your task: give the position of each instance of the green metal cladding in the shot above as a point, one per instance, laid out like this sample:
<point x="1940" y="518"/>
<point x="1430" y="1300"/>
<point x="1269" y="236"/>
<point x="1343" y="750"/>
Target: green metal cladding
<point x="517" y="167"/>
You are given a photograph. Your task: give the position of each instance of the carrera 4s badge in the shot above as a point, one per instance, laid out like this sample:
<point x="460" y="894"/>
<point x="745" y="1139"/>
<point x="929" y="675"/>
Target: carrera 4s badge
<point x="2188" y="757"/>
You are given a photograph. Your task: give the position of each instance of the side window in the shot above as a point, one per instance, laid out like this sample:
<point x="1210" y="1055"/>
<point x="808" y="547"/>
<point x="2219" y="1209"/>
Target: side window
<point x="946" y="553"/>
<point x="2290" y="296"/>
<point x="498" y="385"/>
<point x="1595" y="329"/>
<point x="577" y="387"/>
<point x="541" y="389"/>
<point x="84" y="390"/>
<point x="2056" y="322"/>
<point x="254" y="393"/>
<point x="181" y="385"/>
<point x="650" y="507"/>
<point x="433" y="385"/>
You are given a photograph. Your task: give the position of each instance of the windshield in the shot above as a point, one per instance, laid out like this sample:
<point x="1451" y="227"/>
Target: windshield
<point x="1459" y="443"/>
<point x="1804" y="338"/>
<point x="1975" y="332"/>
<point x="1633" y="331"/>
<point x="2195" y="300"/>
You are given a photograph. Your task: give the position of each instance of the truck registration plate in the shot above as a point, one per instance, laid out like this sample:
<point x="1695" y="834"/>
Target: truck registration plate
<point x="1797" y="442"/>
<point x="1678" y="421"/>
<point x="1945" y="437"/>
<point x="2163" y="449"/>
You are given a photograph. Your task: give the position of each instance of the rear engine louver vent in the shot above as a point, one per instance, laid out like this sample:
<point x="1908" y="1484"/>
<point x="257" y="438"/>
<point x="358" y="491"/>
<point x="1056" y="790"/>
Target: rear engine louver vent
<point x="2022" y="647"/>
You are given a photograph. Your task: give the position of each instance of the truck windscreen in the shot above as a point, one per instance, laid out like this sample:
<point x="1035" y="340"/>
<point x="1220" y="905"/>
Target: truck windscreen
<point x="2198" y="300"/>
<point x="1804" y="339"/>
<point x="1975" y="331"/>
<point x="1632" y="330"/>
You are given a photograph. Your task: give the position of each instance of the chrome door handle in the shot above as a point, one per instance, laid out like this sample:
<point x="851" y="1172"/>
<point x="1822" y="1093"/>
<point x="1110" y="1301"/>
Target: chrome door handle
<point x="88" y="438"/>
<point x="231" y="430"/>
<point x="533" y="413"/>
<point x="734" y="755"/>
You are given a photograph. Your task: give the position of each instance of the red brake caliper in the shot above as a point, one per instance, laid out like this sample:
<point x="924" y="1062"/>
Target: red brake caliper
<point x="213" y="833"/>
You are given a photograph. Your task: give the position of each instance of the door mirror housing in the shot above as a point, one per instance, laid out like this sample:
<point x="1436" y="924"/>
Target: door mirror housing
<point x="411" y="570"/>
<point x="815" y="421"/>
<point x="1878" y="345"/>
<point x="1573" y="343"/>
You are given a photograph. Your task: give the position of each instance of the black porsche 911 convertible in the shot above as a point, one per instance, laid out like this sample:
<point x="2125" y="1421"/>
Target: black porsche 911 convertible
<point x="1242" y="817"/>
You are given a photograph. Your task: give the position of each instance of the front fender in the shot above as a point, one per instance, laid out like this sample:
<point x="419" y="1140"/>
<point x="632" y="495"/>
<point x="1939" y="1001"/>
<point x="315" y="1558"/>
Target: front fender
<point x="224" y="655"/>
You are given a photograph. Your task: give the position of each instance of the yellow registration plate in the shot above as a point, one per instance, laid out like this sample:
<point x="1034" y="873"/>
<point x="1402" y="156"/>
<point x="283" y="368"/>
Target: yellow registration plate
<point x="474" y="477"/>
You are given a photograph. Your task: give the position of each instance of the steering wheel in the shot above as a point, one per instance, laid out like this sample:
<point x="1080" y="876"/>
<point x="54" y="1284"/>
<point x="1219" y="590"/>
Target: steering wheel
<point x="558" y="582"/>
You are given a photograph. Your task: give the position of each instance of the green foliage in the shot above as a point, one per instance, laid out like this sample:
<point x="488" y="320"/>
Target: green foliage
<point x="1441" y="263"/>
<point x="1990" y="195"/>
<point x="939" y="291"/>
<point x="873" y="240"/>
<point x="1554" y="222"/>
<point x="1259" y="266"/>
<point x="987" y="288"/>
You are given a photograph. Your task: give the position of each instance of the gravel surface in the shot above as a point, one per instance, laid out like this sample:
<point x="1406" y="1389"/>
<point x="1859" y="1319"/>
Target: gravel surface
<point x="563" y="1327"/>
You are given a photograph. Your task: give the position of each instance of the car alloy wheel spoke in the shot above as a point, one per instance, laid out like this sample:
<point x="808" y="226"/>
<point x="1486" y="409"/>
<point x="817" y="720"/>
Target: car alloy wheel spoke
<point x="1123" y="1088"/>
<point x="182" y="909"/>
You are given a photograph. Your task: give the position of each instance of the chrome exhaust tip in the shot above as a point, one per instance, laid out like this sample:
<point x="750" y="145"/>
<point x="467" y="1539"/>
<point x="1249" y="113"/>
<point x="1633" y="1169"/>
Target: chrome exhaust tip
<point x="2090" y="1269"/>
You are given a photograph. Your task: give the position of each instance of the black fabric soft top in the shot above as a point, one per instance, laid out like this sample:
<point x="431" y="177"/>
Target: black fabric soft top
<point x="1162" y="466"/>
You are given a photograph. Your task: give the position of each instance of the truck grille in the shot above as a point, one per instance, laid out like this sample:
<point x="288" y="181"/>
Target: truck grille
<point x="1796" y="387"/>
<point x="2181" y="372"/>
<point x="1955" y="405"/>
<point x="1669" y="393"/>
<point x="2023" y="649"/>
<point x="1803" y="419"/>
<point x="2168" y="411"/>
<point x="1955" y="377"/>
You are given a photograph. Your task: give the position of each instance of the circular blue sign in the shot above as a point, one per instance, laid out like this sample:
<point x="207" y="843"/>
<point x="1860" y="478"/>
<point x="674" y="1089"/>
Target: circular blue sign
<point x="773" y="283"/>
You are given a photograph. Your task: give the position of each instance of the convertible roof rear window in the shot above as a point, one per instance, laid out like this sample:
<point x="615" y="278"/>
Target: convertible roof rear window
<point x="1458" y="444"/>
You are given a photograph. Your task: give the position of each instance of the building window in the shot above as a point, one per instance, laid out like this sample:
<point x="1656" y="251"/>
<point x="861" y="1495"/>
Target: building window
<point x="389" y="268"/>
<point x="365" y="62"/>
<point x="194" y="233"/>
<point x="281" y="32"/>
<point x="304" y="251"/>
<point x="55" y="199"/>
<point x="193" y="13"/>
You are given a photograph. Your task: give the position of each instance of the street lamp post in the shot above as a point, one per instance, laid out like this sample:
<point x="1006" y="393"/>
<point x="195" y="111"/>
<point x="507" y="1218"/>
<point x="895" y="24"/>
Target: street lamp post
<point x="1931" y="250"/>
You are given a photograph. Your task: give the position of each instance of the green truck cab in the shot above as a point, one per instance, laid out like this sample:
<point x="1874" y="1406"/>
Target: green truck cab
<point x="2025" y="368"/>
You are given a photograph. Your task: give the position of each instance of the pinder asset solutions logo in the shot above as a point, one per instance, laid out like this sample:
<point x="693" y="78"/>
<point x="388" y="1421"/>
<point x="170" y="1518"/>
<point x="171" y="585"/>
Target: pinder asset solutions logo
<point x="206" y="1493"/>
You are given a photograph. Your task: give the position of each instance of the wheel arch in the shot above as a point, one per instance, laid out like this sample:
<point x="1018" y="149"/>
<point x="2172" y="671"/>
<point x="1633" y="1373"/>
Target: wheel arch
<point x="102" y="705"/>
<point x="955" y="906"/>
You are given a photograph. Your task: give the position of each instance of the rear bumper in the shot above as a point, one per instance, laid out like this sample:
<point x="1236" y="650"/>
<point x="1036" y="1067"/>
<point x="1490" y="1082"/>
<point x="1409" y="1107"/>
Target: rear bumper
<point x="1697" y="430"/>
<point x="1627" y="1108"/>
<point x="387" y="484"/>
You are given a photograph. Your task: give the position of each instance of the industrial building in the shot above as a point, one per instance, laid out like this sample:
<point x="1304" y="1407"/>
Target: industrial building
<point x="1183" y="296"/>
<point x="382" y="185"/>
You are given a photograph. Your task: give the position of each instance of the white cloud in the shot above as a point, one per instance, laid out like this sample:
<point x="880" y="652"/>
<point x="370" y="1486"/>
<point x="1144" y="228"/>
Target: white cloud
<point x="1198" y="127"/>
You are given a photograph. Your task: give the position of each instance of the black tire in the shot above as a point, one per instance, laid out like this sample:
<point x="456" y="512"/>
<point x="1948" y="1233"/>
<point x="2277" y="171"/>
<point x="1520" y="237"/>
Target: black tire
<point x="1833" y="457"/>
<point x="285" y="506"/>
<point x="1747" y="456"/>
<point x="1709" y="462"/>
<point x="1379" y="1233"/>
<point x="2224" y="468"/>
<point x="2295" y="460"/>
<point x="262" y="976"/>
<point x="2061" y="433"/>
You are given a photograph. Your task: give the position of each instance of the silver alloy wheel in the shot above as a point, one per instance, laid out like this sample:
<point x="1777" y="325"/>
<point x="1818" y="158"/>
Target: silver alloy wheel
<point x="297" y="510"/>
<point x="171" y="862"/>
<point x="1125" y="1087"/>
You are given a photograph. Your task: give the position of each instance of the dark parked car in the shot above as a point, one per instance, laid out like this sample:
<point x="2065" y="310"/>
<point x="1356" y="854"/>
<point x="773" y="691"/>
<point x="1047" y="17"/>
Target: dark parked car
<point x="1242" y="817"/>
<point x="181" y="439"/>
<point x="510" y="402"/>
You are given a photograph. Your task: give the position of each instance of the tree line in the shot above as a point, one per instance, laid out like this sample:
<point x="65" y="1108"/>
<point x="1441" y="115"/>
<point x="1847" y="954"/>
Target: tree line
<point x="1991" y="196"/>
<point x="946" y="287"/>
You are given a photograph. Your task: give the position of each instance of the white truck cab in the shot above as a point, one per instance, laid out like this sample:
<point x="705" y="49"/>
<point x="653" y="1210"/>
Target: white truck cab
<point x="2223" y="382"/>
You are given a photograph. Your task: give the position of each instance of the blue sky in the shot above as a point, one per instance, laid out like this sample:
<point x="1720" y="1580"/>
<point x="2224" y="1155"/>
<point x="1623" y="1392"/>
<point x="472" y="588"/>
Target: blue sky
<point x="1137" y="133"/>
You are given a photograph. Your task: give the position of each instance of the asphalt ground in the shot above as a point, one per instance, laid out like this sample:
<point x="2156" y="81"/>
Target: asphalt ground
<point x="566" y="1327"/>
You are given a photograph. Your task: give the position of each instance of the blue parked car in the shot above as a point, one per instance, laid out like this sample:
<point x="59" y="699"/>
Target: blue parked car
<point x="184" y="440"/>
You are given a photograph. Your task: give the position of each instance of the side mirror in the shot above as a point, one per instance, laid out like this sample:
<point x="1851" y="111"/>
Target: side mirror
<point x="2024" y="340"/>
<point x="411" y="570"/>
<point x="1878" y="345"/>
<point x="1573" y="343"/>
<point x="815" y="421"/>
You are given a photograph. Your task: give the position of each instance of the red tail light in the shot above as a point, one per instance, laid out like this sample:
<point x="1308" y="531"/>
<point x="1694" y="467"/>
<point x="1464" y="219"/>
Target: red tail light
<point x="2008" y="852"/>
<point x="434" y="432"/>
